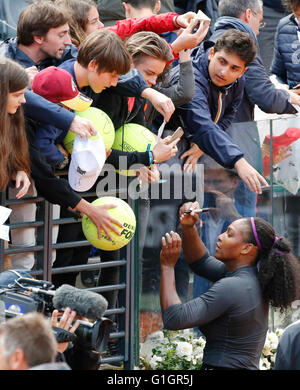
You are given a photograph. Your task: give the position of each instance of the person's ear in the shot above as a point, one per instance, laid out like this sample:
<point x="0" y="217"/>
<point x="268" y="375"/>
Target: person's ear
<point x="92" y="66"/>
<point x="127" y="8"/>
<point x="247" y="248"/>
<point x="243" y="72"/>
<point x="157" y="7"/>
<point x="38" y="39"/>
<point x="246" y="15"/>
<point x="211" y="53"/>
<point x="17" y="360"/>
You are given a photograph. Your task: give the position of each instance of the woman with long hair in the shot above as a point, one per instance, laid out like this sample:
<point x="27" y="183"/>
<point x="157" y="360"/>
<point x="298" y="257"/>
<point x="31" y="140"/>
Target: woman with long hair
<point x="253" y="268"/>
<point x="14" y="153"/>
<point x="84" y="18"/>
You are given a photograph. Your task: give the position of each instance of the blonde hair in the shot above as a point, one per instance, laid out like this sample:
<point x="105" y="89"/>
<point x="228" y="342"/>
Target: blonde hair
<point x="147" y="43"/>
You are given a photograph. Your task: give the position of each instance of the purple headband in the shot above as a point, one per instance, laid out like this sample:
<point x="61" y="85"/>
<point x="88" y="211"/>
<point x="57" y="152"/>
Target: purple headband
<point x="255" y="233"/>
<point x="257" y="240"/>
<point x="277" y="250"/>
<point x="276" y="239"/>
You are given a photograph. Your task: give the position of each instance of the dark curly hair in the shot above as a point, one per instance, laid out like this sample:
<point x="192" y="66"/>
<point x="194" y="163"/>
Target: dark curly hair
<point x="239" y="43"/>
<point x="278" y="268"/>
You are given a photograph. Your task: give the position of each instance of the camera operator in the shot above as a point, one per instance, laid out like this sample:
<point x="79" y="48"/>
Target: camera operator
<point x="77" y="320"/>
<point x="27" y="342"/>
<point x="77" y="358"/>
<point x="66" y="322"/>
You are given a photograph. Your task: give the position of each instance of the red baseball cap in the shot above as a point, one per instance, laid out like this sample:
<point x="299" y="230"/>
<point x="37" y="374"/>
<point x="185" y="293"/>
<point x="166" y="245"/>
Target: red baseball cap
<point x="57" y="86"/>
<point x="288" y="137"/>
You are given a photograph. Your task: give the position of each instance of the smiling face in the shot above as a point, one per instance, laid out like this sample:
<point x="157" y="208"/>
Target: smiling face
<point x="15" y="100"/>
<point x="224" y="67"/>
<point x="150" y="68"/>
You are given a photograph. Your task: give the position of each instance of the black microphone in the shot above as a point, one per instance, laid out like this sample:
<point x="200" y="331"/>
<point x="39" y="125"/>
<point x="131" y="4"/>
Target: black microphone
<point x="85" y="303"/>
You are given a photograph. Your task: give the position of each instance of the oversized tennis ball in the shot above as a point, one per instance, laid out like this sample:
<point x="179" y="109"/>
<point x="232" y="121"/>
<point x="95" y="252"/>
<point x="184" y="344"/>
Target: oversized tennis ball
<point x="123" y="213"/>
<point x="132" y="137"/>
<point x="102" y="123"/>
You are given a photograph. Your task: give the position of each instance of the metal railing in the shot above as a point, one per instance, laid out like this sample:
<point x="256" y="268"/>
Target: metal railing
<point x="127" y="308"/>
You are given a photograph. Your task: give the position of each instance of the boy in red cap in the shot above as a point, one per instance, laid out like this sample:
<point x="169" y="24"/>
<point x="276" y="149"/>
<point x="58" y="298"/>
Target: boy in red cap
<point x="57" y="86"/>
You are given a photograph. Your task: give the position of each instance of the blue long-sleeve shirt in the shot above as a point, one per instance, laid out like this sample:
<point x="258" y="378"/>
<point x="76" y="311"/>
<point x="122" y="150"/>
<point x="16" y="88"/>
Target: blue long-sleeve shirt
<point x="211" y="111"/>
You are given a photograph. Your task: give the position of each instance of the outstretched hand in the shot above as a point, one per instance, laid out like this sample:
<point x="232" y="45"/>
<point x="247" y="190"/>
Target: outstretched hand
<point x="171" y="248"/>
<point x="250" y="176"/>
<point x="192" y="156"/>
<point x="188" y="39"/>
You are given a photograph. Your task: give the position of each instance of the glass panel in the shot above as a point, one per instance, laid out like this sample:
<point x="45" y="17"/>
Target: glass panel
<point x="267" y="143"/>
<point x="283" y="196"/>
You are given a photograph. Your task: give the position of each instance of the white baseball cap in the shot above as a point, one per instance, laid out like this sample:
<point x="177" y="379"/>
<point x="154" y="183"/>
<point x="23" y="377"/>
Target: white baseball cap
<point x="87" y="160"/>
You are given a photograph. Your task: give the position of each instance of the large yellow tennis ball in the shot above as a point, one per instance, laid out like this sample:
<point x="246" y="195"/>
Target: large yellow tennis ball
<point x="123" y="213"/>
<point x="102" y="123"/>
<point x="132" y="137"/>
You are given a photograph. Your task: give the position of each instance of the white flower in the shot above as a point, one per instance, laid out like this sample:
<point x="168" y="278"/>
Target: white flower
<point x="273" y="358"/>
<point x="156" y="336"/>
<point x="179" y="345"/>
<point x="198" y="352"/>
<point x="273" y="338"/>
<point x="264" y="364"/>
<point x="279" y="332"/>
<point x="200" y="342"/>
<point x="154" y="360"/>
<point x="184" y="349"/>
<point x="187" y="334"/>
<point x="146" y="349"/>
<point x="271" y="343"/>
<point x="266" y="350"/>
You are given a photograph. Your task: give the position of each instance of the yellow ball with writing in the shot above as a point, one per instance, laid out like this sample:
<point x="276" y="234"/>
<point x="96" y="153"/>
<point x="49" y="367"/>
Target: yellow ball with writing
<point x="122" y="213"/>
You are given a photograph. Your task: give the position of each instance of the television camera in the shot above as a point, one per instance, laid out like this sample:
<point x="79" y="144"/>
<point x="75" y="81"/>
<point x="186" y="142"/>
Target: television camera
<point x="25" y="295"/>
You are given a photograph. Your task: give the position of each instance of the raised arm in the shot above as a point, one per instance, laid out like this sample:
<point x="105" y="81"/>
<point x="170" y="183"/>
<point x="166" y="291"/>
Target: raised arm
<point x="193" y="247"/>
<point x="157" y="23"/>
<point x="170" y="252"/>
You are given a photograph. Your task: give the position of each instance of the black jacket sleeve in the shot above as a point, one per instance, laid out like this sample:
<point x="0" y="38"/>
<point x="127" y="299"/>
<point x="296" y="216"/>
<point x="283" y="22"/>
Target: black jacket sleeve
<point x="125" y="160"/>
<point x="131" y="84"/>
